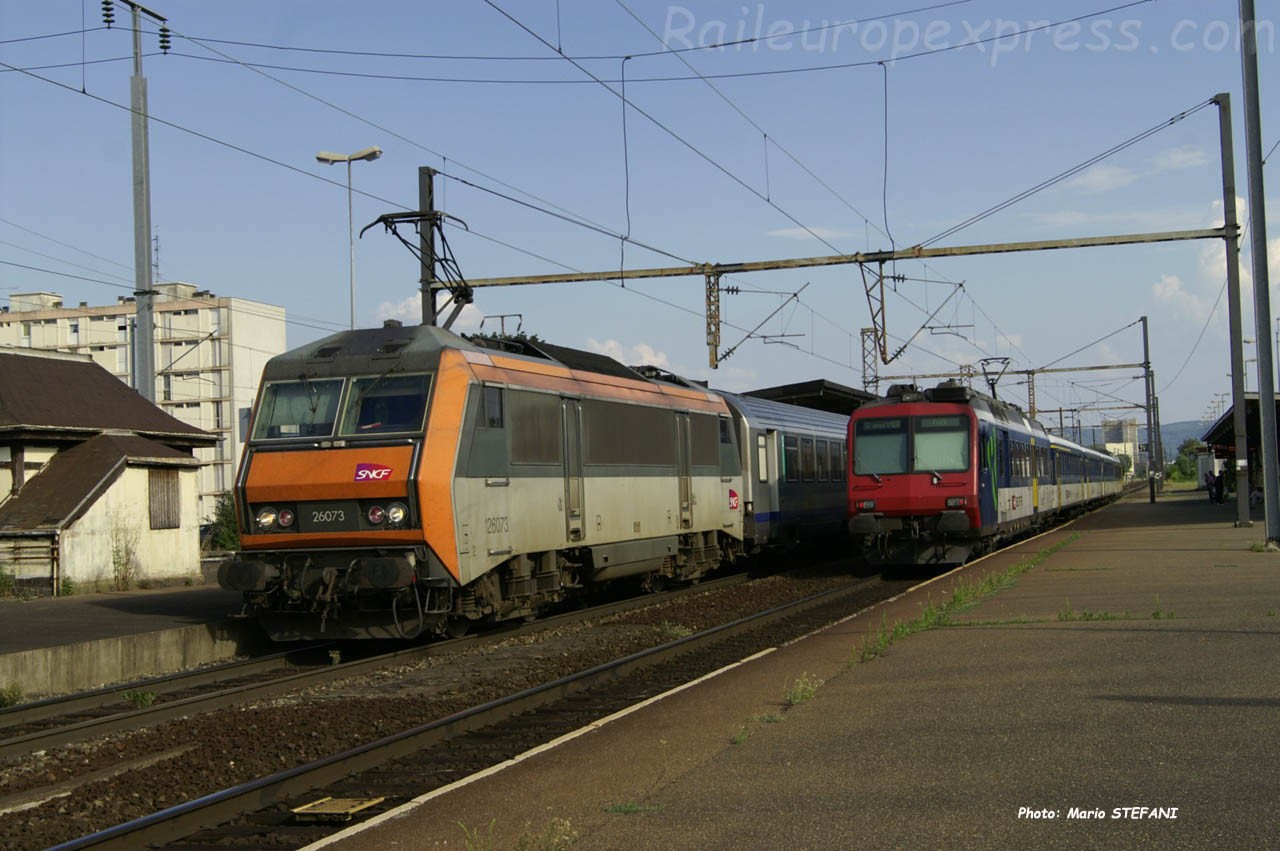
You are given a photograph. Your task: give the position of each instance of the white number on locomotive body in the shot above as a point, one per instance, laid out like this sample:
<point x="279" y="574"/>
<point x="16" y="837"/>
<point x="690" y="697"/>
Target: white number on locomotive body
<point x="496" y="525"/>
<point x="334" y="515"/>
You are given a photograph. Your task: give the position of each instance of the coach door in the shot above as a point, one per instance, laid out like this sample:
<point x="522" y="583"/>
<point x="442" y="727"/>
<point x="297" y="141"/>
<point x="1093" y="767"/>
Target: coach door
<point x="683" y="450"/>
<point x="572" y="410"/>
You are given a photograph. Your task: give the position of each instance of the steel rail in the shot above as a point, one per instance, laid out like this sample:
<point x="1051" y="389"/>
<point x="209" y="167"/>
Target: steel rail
<point x="239" y="695"/>
<point x="220" y="807"/>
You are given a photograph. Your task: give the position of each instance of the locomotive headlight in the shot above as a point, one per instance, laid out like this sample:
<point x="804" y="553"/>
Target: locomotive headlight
<point x="957" y="502"/>
<point x="285" y="518"/>
<point x="376" y="515"/>
<point x="267" y="519"/>
<point x="397" y="514"/>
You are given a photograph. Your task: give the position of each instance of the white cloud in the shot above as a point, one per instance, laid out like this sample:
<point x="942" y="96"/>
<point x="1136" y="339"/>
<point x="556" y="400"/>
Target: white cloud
<point x="409" y="312"/>
<point x="817" y="232"/>
<point x="1172" y="291"/>
<point x="1186" y="156"/>
<point x="1103" y="178"/>
<point x="640" y="354"/>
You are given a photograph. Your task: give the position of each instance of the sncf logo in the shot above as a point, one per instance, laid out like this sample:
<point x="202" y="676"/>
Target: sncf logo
<point x="371" y="472"/>
<point x="733" y="500"/>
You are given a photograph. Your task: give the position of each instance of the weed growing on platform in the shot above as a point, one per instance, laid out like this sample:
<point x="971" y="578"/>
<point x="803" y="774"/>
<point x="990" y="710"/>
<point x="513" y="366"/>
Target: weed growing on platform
<point x="771" y="718"/>
<point x="139" y="699"/>
<point x="741" y="736"/>
<point x="631" y="808"/>
<point x="801" y="690"/>
<point x="67" y="588"/>
<point x="7" y="585"/>
<point x="1166" y="614"/>
<point x="558" y="835"/>
<point x="10" y="695"/>
<point x="964" y="594"/>
<point x="474" y="840"/>
<point x="1069" y="615"/>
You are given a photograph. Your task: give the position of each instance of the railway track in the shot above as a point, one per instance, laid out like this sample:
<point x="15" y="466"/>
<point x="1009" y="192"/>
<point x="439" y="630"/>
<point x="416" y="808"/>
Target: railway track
<point x="396" y="768"/>
<point x="79" y="717"/>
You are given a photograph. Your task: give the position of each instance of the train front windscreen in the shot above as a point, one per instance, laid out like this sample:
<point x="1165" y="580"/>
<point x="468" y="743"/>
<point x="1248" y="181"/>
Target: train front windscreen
<point x="356" y="407"/>
<point x="933" y="443"/>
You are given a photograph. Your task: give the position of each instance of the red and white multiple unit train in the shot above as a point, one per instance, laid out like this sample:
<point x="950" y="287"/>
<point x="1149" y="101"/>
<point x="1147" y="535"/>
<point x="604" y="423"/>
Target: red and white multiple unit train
<point x="938" y="476"/>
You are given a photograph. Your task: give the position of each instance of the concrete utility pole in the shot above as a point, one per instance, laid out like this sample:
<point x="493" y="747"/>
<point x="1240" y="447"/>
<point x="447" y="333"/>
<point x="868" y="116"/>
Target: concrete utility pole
<point x="1231" y="237"/>
<point x="1261" y="284"/>
<point x="1150" y="392"/>
<point x="144" y="367"/>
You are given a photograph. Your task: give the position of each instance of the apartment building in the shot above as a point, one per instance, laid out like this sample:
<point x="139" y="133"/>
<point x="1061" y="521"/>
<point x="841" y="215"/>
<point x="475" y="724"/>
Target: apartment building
<point x="209" y="354"/>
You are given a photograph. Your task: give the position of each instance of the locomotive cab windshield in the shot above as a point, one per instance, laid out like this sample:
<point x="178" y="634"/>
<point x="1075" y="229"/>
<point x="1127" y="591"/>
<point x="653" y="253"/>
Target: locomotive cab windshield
<point x="375" y="404"/>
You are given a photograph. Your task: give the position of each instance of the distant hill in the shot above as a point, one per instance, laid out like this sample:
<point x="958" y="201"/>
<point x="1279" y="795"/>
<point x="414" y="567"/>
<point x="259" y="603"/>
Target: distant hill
<point x="1172" y="435"/>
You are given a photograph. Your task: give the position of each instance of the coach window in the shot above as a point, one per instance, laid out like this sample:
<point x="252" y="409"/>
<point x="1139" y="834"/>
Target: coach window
<point x="837" y="462"/>
<point x="492" y="406"/>
<point x="762" y="457"/>
<point x="806" y="458"/>
<point x="791" y="458"/>
<point x="822" y="457"/>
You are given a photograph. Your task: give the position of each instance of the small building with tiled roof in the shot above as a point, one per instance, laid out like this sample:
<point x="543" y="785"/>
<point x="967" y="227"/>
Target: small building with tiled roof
<point x="97" y="485"/>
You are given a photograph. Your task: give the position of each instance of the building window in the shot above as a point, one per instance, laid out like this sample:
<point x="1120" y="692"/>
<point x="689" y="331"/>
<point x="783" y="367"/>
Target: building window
<point x="164" y="499"/>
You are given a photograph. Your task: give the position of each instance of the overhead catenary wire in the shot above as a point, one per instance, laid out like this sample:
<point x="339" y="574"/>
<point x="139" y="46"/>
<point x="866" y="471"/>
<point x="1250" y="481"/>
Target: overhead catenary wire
<point x="1071" y="172"/>
<point x="514" y="81"/>
<point x="660" y="125"/>
<point x="718" y="45"/>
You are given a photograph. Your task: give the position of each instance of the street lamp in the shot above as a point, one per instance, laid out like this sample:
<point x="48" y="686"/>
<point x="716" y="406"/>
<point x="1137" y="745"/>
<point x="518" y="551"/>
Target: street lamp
<point x="328" y="158"/>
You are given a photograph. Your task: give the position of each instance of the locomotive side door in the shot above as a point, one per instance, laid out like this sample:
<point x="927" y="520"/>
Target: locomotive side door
<point x="683" y="471"/>
<point x="572" y="416"/>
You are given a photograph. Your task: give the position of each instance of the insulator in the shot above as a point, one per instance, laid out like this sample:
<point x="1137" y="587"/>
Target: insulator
<point x="164" y="39"/>
<point x="731" y="290"/>
<point x="108" y="12"/>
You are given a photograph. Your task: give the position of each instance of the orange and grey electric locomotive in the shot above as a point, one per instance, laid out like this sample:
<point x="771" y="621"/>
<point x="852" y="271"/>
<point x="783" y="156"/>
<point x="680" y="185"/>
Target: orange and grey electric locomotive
<point x="402" y="481"/>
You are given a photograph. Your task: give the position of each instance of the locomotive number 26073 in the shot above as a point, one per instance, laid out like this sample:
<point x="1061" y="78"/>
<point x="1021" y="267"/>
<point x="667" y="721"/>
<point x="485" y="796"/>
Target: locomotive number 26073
<point x="335" y="515"/>
<point x="496" y="525"/>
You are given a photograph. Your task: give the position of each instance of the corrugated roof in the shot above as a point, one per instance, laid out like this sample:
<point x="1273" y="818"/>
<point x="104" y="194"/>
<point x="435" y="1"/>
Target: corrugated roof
<point x="70" y="481"/>
<point x="56" y="393"/>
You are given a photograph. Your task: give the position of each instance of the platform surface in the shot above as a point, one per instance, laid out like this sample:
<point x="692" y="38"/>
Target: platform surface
<point x="52" y="621"/>
<point x="1123" y="693"/>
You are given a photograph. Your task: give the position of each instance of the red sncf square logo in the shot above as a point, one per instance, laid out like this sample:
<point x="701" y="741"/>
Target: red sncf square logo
<point x="372" y="472"/>
<point x="733" y="500"/>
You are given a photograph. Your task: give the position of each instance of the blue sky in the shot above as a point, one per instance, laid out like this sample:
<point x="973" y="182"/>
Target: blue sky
<point x="728" y="176"/>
